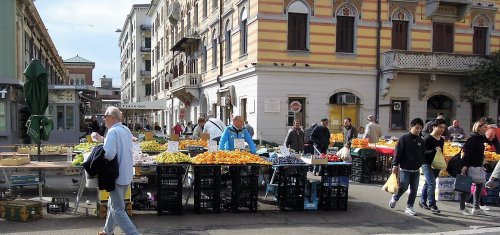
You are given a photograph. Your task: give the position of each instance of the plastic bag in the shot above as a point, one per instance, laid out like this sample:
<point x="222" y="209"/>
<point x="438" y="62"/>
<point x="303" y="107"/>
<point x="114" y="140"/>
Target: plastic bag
<point x="438" y="162"/>
<point x="392" y="184"/>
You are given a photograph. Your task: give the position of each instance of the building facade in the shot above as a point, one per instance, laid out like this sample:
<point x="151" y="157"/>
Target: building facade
<point x="24" y="37"/>
<point x="275" y="61"/>
<point x="109" y="95"/>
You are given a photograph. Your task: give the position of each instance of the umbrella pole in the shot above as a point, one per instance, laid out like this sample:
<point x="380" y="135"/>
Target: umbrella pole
<point x="39" y="174"/>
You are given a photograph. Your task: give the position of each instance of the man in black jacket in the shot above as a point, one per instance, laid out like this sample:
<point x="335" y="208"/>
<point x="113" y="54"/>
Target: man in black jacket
<point x="321" y="139"/>
<point x="408" y="160"/>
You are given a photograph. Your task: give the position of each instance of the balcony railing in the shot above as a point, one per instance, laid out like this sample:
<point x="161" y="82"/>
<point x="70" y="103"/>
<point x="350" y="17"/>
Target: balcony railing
<point x="185" y="37"/>
<point x="145" y="73"/>
<point x="145" y="49"/>
<point x="428" y="62"/>
<point x="186" y="81"/>
<point x="146" y="27"/>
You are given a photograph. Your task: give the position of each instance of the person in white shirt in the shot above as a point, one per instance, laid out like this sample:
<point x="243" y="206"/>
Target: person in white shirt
<point x="214" y="127"/>
<point x="199" y="128"/>
<point x="118" y="143"/>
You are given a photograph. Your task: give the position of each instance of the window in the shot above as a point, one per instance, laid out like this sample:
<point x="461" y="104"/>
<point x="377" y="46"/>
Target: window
<point x="228" y="42"/>
<point x="64" y="117"/>
<point x="399" y="35"/>
<point x="214" y="50"/>
<point x="147" y="42"/>
<point x="147" y="89"/>
<point x="214" y="4"/>
<point x="399" y="114"/>
<point x="297" y="26"/>
<point x="147" y="65"/>
<point x="479" y="40"/>
<point x="205" y="10"/>
<point x="345" y="34"/>
<point x="442" y="37"/>
<point x="3" y="117"/>
<point x="204" y="57"/>
<point x="132" y="90"/>
<point x="243" y="33"/>
<point x="195" y="19"/>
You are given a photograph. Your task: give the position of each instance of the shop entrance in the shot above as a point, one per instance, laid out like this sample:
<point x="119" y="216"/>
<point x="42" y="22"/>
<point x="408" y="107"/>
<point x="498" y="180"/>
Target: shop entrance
<point x="343" y="105"/>
<point x="440" y="104"/>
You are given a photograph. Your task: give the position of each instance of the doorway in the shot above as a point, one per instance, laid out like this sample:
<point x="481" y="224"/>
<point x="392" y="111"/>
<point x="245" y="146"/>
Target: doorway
<point x="478" y="111"/>
<point x="440" y="104"/>
<point x="343" y="105"/>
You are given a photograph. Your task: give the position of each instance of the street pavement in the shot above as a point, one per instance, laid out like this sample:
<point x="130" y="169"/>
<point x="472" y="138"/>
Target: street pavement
<point x="368" y="213"/>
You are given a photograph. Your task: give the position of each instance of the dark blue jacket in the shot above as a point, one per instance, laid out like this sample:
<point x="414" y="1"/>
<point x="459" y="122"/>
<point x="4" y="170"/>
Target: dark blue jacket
<point x="105" y="171"/>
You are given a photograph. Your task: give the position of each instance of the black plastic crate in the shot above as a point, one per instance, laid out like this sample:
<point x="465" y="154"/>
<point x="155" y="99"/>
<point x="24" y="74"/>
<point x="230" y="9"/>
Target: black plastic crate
<point x="245" y="206"/>
<point x="170" y="171"/>
<point x="207" y="206"/>
<point x="244" y="170"/>
<point x="7" y="193"/>
<point x="172" y="183"/>
<point x="331" y="181"/>
<point x="287" y="180"/>
<point x="207" y="195"/>
<point x="333" y="204"/>
<point x="169" y="195"/>
<point x="336" y="170"/>
<point x="291" y="203"/>
<point x="207" y="182"/>
<point x="164" y="207"/>
<point x="245" y="182"/>
<point x="336" y="192"/>
<point x="58" y="205"/>
<point x="206" y="170"/>
<point x="292" y="170"/>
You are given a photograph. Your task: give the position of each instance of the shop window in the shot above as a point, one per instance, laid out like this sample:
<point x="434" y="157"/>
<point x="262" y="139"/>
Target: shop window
<point x="3" y="117"/>
<point x="399" y="114"/>
<point x="442" y="37"/>
<point x="296" y="110"/>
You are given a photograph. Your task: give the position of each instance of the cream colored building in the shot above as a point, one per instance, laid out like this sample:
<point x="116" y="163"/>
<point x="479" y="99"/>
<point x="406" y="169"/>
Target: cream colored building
<point x="273" y="61"/>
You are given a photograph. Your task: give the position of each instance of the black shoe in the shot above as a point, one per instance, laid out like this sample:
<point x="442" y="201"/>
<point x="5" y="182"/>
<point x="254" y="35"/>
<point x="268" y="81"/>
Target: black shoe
<point x="435" y="209"/>
<point x="424" y="205"/>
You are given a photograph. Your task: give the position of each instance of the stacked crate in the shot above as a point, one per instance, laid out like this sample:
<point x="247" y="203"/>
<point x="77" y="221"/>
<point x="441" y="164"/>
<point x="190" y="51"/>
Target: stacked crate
<point x="169" y="189"/>
<point x="102" y="202"/>
<point x="492" y="193"/>
<point x="291" y="187"/>
<point x="363" y="168"/>
<point x="245" y="188"/>
<point x="333" y="193"/>
<point x="207" y="189"/>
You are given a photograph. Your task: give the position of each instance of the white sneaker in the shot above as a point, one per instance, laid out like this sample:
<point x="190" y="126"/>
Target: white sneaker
<point x="468" y="204"/>
<point x="484" y="208"/>
<point x="409" y="210"/>
<point x="465" y="212"/>
<point x="475" y="211"/>
<point x="392" y="202"/>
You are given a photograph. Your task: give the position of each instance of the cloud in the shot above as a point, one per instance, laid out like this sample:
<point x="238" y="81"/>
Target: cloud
<point x="87" y="28"/>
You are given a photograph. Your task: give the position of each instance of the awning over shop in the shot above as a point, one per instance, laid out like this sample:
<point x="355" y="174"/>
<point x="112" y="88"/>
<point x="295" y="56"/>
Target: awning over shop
<point x="145" y="105"/>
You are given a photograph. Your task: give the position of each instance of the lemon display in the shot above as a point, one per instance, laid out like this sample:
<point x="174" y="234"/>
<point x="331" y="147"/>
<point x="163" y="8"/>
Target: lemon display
<point x="167" y="157"/>
<point x="78" y="160"/>
<point x="152" y="146"/>
<point x="229" y="157"/>
<point x="86" y="146"/>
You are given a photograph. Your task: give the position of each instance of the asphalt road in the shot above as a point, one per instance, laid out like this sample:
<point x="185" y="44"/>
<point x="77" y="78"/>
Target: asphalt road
<point x="368" y="213"/>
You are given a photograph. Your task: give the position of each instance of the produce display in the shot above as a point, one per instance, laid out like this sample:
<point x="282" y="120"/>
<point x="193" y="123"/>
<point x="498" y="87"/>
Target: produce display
<point x="184" y="143"/>
<point x="359" y="143"/>
<point x="339" y="137"/>
<point x="152" y="146"/>
<point x="143" y="159"/>
<point x="330" y="157"/>
<point x="390" y="143"/>
<point x="491" y="156"/>
<point x="169" y="158"/>
<point x="450" y="150"/>
<point x="229" y="157"/>
<point x="159" y="139"/>
<point x="86" y="146"/>
<point x="78" y="160"/>
<point x="285" y="160"/>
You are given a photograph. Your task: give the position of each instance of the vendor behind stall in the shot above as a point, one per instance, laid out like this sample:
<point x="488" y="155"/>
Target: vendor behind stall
<point x="235" y="131"/>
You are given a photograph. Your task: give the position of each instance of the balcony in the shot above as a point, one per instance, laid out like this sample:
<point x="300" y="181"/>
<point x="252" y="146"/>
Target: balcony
<point x="450" y="9"/>
<point x="146" y="27"/>
<point x="185" y="38"/>
<point x="186" y="87"/>
<point x="146" y="49"/>
<point x="425" y="64"/>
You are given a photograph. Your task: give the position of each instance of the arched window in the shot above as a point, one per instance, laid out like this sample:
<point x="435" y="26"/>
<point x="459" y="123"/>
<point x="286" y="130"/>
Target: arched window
<point x="205" y="10"/>
<point x="228" y="41"/>
<point x="400" y="29"/>
<point x="298" y="13"/>
<point x="346" y="16"/>
<point x="214" y="49"/>
<point x="481" y="34"/>
<point x="243" y="32"/>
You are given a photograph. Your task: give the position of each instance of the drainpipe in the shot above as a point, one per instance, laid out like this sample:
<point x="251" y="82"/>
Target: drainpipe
<point x="379" y="29"/>
<point x="221" y="69"/>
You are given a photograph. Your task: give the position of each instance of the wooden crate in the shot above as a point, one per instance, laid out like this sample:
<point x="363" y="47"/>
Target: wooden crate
<point x="14" y="159"/>
<point x="21" y="210"/>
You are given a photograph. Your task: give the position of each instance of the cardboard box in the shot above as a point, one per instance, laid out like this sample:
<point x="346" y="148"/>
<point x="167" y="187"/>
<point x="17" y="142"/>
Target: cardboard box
<point x="314" y="161"/>
<point x="21" y="210"/>
<point x="102" y="209"/>
<point x="445" y="183"/>
<point x="103" y="195"/>
<point x="445" y="195"/>
<point x="14" y="159"/>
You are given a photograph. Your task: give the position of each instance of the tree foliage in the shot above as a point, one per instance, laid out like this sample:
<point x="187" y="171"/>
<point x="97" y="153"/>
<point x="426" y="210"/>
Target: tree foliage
<point x="483" y="80"/>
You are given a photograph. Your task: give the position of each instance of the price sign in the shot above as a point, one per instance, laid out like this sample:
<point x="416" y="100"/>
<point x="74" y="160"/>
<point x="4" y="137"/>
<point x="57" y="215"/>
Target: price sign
<point x="173" y="146"/>
<point x="239" y="143"/>
<point x="212" y="146"/>
<point x="284" y="151"/>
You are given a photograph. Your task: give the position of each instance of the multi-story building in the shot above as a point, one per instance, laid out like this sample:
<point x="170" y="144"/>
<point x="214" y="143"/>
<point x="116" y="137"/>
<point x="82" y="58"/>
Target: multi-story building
<point x="275" y="61"/>
<point x="23" y="37"/>
<point x="80" y="70"/>
<point x="135" y="47"/>
<point x="109" y="95"/>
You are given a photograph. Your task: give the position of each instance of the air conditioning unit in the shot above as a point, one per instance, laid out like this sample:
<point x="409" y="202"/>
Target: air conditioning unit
<point x="396" y="105"/>
<point x="347" y="99"/>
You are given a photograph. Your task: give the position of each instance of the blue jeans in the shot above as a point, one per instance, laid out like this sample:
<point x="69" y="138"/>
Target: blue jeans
<point x="430" y="185"/>
<point x="406" y="179"/>
<point x="116" y="212"/>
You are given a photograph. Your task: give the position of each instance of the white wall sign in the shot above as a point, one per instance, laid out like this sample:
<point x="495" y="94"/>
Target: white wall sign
<point x="239" y="144"/>
<point x="271" y="106"/>
<point x="212" y="146"/>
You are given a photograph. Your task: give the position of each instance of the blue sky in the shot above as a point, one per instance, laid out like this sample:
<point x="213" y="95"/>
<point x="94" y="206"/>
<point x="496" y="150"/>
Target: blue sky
<point x="87" y="28"/>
